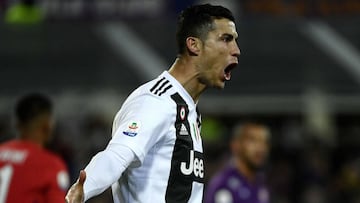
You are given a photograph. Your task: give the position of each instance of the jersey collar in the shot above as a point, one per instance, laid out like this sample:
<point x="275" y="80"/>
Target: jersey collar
<point x="179" y="88"/>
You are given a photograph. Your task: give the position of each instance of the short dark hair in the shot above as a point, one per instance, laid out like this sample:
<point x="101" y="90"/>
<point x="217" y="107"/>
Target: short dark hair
<point x="197" y="21"/>
<point x="238" y="129"/>
<point x="31" y="106"/>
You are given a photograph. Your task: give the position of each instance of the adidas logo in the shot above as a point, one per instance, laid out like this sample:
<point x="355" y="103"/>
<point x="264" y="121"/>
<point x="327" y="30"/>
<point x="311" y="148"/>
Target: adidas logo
<point x="161" y="87"/>
<point x="183" y="130"/>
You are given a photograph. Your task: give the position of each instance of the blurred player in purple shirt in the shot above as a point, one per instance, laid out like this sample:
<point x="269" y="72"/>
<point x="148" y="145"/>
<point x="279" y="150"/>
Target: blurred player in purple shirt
<point x="241" y="180"/>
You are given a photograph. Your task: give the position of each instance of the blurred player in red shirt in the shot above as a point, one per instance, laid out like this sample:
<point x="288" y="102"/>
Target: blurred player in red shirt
<point x="28" y="172"/>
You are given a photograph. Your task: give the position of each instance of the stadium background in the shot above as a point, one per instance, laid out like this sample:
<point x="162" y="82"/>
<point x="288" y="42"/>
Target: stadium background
<point x="299" y="73"/>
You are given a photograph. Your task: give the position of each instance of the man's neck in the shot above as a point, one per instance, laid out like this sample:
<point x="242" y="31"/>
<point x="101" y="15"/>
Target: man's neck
<point x="246" y="171"/>
<point x="183" y="70"/>
<point x="32" y="137"/>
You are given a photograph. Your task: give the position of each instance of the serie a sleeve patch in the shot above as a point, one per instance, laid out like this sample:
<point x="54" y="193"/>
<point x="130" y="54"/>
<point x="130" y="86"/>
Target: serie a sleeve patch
<point x="132" y="129"/>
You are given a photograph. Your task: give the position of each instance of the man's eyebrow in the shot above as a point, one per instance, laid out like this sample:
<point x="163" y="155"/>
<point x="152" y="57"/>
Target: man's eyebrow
<point x="229" y="35"/>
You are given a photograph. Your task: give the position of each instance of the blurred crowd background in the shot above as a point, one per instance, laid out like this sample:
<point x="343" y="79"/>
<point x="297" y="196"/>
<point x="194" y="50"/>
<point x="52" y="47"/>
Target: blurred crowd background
<point x="299" y="74"/>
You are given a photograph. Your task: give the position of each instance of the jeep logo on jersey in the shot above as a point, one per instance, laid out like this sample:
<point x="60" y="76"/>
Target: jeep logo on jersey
<point x="195" y="166"/>
<point x="132" y="129"/>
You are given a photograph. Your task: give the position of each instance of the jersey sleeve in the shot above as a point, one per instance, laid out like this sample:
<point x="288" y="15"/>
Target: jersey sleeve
<point x="59" y="182"/>
<point x="141" y="123"/>
<point x="105" y="168"/>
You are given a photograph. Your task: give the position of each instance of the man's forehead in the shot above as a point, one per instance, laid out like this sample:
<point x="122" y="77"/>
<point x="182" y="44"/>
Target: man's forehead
<point x="255" y="131"/>
<point x="225" y="26"/>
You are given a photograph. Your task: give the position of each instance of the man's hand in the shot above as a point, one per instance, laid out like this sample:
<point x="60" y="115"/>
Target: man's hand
<point x="76" y="192"/>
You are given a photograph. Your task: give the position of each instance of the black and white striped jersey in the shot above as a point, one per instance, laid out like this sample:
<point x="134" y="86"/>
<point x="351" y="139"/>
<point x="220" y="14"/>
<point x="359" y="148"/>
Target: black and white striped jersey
<point x="159" y="122"/>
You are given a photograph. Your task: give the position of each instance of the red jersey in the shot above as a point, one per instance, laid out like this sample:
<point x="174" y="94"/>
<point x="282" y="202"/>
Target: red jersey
<point x="31" y="174"/>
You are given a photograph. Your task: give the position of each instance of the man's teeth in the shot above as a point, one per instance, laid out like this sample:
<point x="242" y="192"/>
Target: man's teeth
<point x="227" y="75"/>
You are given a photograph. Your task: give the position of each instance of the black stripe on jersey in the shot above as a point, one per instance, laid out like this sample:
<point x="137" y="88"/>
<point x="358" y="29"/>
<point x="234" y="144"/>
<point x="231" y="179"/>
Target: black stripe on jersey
<point x="198" y="119"/>
<point x="184" y="158"/>
<point x="161" y="87"/>
<point x="157" y="84"/>
<point x="168" y="87"/>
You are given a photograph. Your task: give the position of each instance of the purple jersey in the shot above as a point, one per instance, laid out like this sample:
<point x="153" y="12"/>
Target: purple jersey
<point x="229" y="186"/>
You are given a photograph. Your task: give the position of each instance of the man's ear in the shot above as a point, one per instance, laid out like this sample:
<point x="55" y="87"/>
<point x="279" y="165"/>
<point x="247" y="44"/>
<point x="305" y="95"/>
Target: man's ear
<point x="193" y="45"/>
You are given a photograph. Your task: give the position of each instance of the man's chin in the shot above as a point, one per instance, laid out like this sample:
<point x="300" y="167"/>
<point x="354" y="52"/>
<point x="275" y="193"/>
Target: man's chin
<point x="220" y="85"/>
<point x="256" y="166"/>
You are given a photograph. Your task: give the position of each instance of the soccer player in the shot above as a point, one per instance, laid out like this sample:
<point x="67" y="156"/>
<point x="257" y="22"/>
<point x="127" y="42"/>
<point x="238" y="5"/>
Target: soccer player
<point x="241" y="181"/>
<point x="28" y="172"/>
<point x="156" y="153"/>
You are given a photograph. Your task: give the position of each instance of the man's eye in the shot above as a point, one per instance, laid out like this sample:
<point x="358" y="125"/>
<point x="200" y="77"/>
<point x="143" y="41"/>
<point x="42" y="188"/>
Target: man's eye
<point x="227" y="38"/>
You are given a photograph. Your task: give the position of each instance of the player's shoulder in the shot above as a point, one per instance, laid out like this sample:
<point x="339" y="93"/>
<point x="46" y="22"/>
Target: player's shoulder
<point x="42" y="157"/>
<point x="156" y="92"/>
<point x="32" y="152"/>
<point x="53" y="159"/>
<point x="221" y="186"/>
<point x="161" y="87"/>
<point x="13" y="146"/>
<point x="13" y="151"/>
<point x="9" y="143"/>
<point x="222" y="177"/>
<point x="57" y="171"/>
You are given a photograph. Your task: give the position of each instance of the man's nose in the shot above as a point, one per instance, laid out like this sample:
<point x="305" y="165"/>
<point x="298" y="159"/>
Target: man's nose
<point x="236" y="51"/>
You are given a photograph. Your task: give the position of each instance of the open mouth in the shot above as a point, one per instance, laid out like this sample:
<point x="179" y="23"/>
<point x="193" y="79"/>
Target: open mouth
<point x="228" y="69"/>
